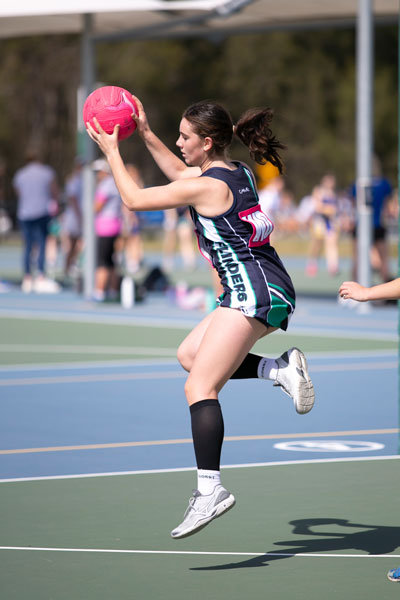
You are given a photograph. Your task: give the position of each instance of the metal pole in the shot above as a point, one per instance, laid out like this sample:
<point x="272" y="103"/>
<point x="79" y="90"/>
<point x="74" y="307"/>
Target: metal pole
<point x="87" y="77"/>
<point x="364" y="110"/>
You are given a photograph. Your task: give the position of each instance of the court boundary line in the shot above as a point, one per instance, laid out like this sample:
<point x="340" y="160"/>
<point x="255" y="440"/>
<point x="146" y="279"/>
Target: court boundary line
<point x="99" y="318"/>
<point x="143" y="362"/>
<point x="86" y="349"/>
<point x="65" y="379"/>
<point x="101" y="364"/>
<point x="95" y="378"/>
<point x="167" y="323"/>
<point x="185" y="469"/>
<point x="198" y="552"/>
<point x="229" y="438"/>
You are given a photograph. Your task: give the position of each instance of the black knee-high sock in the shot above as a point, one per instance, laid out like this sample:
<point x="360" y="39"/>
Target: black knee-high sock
<point x="208" y="433"/>
<point x="248" y="368"/>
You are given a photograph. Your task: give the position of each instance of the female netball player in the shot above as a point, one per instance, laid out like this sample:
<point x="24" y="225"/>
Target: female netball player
<point x="233" y="233"/>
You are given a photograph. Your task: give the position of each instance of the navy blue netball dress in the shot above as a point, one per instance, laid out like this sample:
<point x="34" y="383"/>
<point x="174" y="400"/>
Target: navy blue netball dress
<point x="237" y="243"/>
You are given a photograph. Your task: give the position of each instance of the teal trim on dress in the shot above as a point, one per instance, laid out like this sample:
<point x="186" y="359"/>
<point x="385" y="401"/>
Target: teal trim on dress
<point x="289" y="298"/>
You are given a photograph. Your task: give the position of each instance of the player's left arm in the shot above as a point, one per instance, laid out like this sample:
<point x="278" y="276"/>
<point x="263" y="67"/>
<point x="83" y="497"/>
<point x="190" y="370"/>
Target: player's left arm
<point x="183" y="192"/>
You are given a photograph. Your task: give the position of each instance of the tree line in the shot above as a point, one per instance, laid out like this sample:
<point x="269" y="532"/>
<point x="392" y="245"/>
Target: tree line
<point x="308" y="78"/>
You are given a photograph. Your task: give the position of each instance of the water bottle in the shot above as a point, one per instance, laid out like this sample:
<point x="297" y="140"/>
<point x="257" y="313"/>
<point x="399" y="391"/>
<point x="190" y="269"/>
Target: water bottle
<point x="127" y="292"/>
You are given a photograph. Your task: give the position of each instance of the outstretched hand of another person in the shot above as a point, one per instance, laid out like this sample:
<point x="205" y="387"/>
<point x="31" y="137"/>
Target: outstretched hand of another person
<point x="351" y="290"/>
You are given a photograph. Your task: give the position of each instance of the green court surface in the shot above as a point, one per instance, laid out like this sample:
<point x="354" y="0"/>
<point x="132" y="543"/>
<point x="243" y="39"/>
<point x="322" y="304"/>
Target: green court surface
<point x="51" y="341"/>
<point x="108" y="537"/>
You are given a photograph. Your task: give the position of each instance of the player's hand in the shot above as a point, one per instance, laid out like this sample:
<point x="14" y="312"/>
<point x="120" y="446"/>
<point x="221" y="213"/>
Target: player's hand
<point x="351" y="290"/>
<point x="140" y="118"/>
<point x="106" y="142"/>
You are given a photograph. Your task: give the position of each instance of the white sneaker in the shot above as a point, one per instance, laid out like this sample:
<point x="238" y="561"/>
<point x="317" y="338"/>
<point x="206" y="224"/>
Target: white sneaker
<point x="27" y="285"/>
<point x="294" y="380"/>
<point x="202" y="510"/>
<point x="98" y="296"/>
<point x="42" y="285"/>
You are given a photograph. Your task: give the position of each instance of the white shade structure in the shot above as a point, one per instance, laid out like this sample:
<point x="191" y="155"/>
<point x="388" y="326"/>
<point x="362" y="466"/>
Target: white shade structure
<point x="178" y="17"/>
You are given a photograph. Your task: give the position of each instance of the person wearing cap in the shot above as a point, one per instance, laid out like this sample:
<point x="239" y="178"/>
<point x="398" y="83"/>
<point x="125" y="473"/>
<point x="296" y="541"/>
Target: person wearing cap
<point x="108" y="221"/>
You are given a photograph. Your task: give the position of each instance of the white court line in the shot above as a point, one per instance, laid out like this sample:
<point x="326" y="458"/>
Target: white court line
<point x="148" y="362"/>
<point x="81" y="349"/>
<point x="92" y="378"/>
<point x="349" y="333"/>
<point x="186" y="469"/>
<point x="103" y="319"/>
<point x="199" y="553"/>
<point x="344" y="354"/>
<point x="355" y="367"/>
<point x="137" y="321"/>
<point x="228" y="438"/>
<point x="339" y="367"/>
<point x="101" y="364"/>
<point x="356" y="320"/>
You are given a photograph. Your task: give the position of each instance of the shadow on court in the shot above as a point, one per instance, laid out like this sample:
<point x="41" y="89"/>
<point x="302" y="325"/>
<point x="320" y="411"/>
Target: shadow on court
<point x="373" y="540"/>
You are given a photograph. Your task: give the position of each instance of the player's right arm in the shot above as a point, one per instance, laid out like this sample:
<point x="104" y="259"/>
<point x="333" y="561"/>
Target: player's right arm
<point x="173" y="167"/>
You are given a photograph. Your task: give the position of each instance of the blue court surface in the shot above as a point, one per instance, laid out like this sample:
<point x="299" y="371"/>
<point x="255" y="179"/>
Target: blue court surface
<point x="77" y="414"/>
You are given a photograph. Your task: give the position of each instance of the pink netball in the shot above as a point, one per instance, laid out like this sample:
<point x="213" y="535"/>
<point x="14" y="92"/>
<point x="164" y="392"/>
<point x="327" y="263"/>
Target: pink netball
<point x="111" y="105"/>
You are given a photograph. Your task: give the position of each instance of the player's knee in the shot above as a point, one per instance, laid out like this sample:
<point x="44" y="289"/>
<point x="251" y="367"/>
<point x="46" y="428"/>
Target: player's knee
<point x="196" y="390"/>
<point x="184" y="357"/>
<point x="191" y="392"/>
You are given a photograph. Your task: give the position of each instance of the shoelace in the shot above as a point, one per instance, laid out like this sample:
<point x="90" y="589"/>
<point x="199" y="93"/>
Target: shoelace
<point x="192" y="500"/>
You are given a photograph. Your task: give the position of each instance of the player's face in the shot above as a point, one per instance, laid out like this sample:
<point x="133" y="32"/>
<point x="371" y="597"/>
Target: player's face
<point x="190" y="144"/>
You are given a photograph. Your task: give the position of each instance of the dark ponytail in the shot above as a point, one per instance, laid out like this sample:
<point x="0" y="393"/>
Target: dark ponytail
<point x="253" y="130"/>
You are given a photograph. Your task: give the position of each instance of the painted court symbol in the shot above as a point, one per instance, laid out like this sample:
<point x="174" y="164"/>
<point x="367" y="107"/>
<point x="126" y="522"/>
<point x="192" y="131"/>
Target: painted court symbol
<point x="329" y="446"/>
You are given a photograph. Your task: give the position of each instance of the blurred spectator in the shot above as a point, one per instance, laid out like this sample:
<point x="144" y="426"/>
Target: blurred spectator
<point x="5" y="220"/>
<point x="381" y="191"/>
<point x="108" y="222"/>
<point x="391" y="215"/>
<point x="270" y="197"/>
<point x="264" y="174"/>
<point x="36" y="188"/>
<point x="71" y="223"/>
<point x="133" y="245"/>
<point x="286" y="221"/>
<point x="53" y="242"/>
<point x="178" y="229"/>
<point x="305" y="212"/>
<point x="346" y="213"/>
<point x="325" y="227"/>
